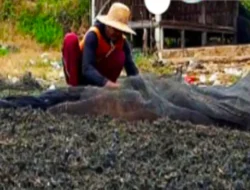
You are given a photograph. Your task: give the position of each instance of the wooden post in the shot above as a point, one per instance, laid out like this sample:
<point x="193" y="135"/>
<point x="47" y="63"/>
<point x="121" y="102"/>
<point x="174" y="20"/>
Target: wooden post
<point x="162" y="38"/>
<point x="204" y="38"/>
<point x="151" y="33"/>
<point x="203" y="20"/>
<point x="145" y="41"/>
<point x="183" y="40"/>
<point x="235" y="21"/>
<point x="223" y="38"/>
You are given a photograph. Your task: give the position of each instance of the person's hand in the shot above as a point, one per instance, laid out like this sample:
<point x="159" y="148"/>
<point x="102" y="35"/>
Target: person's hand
<point x="110" y="84"/>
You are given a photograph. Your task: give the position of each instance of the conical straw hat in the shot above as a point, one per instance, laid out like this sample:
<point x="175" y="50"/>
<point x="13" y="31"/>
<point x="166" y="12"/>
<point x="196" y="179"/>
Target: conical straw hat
<point x="117" y="17"/>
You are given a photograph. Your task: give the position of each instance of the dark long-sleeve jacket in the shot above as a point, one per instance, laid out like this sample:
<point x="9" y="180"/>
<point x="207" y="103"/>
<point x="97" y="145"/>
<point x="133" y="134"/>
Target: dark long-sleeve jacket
<point x="90" y="73"/>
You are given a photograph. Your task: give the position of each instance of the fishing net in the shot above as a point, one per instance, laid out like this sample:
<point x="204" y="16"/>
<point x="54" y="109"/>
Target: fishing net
<point x="148" y="97"/>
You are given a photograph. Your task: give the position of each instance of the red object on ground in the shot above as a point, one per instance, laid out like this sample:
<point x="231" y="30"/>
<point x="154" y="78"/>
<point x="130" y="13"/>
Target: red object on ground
<point x="190" y="79"/>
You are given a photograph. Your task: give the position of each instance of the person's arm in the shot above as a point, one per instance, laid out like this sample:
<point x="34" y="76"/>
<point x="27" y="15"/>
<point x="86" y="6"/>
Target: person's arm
<point x="89" y="71"/>
<point x="129" y="65"/>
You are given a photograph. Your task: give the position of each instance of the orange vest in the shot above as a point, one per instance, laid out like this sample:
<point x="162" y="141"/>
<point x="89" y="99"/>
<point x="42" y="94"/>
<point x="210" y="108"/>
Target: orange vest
<point x="104" y="48"/>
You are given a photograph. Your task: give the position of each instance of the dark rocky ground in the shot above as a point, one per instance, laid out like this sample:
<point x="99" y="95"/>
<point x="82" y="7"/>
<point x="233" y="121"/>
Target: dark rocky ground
<point x="41" y="151"/>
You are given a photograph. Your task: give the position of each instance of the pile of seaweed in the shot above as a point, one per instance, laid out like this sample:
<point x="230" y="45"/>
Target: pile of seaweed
<point x="149" y="97"/>
<point x="41" y="151"/>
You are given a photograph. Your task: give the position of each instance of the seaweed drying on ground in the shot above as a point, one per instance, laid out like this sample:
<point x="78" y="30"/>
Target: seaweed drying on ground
<point x="39" y="150"/>
<point x="25" y="85"/>
<point x="26" y="82"/>
<point x="149" y="97"/>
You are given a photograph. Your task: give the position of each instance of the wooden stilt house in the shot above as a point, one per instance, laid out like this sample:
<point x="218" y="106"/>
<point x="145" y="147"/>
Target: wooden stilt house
<point x="182" y="25"/>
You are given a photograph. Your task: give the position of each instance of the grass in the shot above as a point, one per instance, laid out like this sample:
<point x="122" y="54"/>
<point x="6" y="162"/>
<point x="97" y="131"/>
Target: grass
<point x="47" y="20"/>
<point x="3" y="51"/>
<point x="43" y="27"/>
<point x="44" y="20"/>
<point x="146" y="64"/>
<point x="16" y="64"/>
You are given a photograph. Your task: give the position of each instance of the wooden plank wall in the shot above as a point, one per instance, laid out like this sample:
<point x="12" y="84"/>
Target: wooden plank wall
<point x="220" y="12"/>
<point x="180" y="11"/>
<point x="217" y="12"/>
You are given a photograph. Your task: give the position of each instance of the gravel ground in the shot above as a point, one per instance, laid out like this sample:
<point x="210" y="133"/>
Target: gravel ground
<point x="41" y="151"/>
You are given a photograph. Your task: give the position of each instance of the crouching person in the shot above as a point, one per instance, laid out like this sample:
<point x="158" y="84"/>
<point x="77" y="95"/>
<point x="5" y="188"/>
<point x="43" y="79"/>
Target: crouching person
<point x="100" y="57"/>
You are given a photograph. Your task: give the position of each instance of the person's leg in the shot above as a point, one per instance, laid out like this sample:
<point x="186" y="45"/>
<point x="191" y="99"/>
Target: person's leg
<point x="71" y="58"/>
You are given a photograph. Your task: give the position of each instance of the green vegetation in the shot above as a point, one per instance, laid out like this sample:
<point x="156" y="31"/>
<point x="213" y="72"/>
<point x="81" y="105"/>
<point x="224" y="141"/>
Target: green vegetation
<point x="45" y="20"/>
<point x="246" y="4"/>
<point x="148" y="64"/>
<point x="48" y="20"/>
<point x="7" y="9"/>
<point x="43" y="27"/>
<point x="3" y="51"/>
